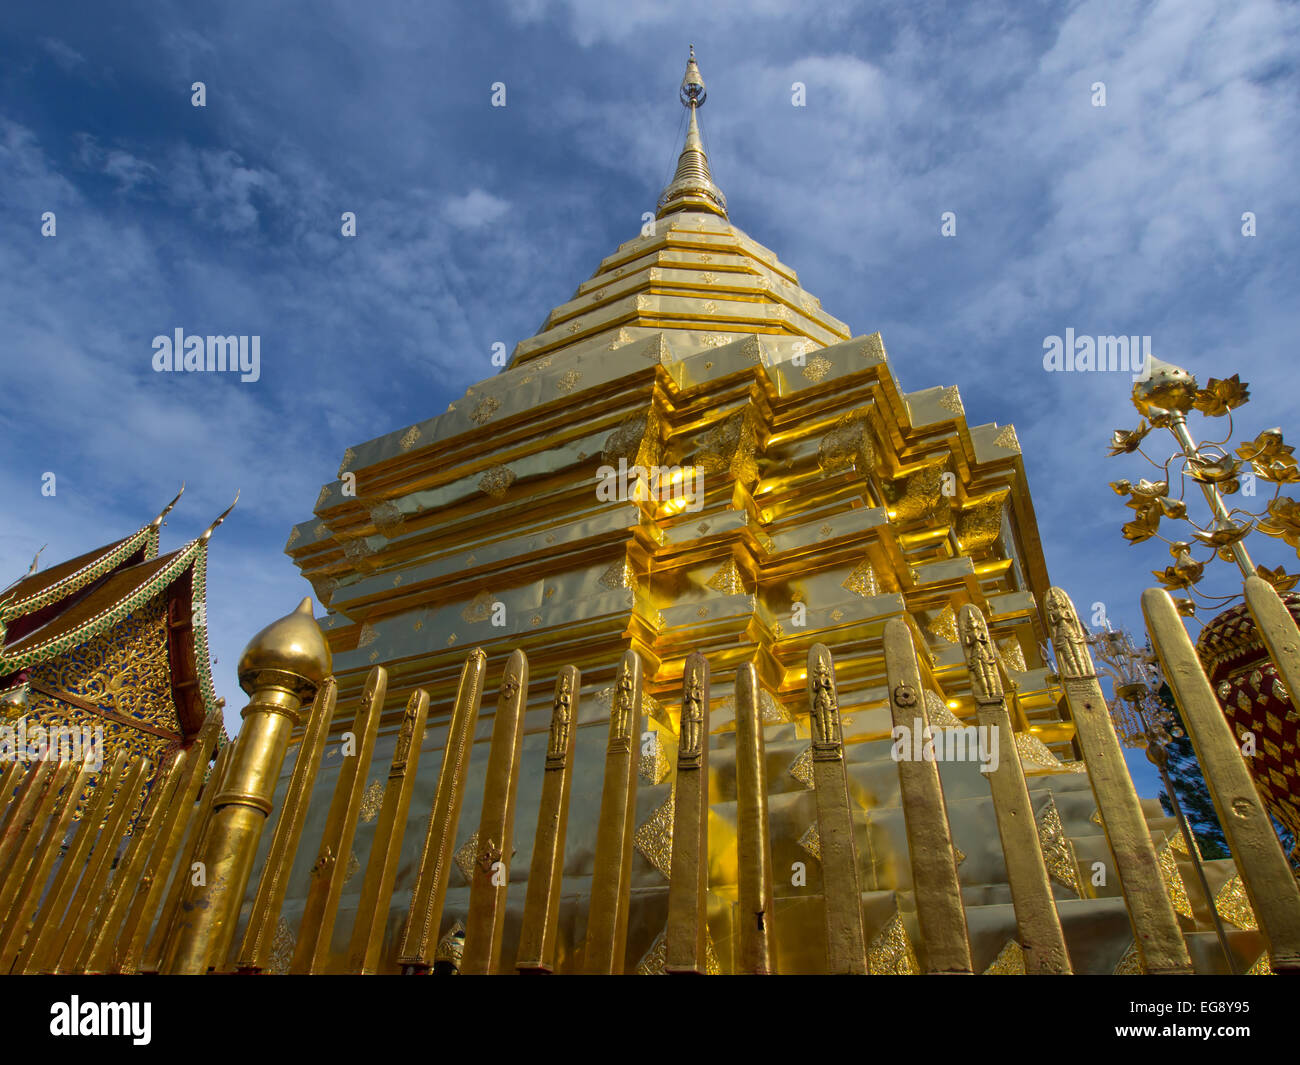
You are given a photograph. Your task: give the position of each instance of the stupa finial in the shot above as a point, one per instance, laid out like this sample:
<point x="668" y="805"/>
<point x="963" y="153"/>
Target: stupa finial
<point x="692" y="187"/>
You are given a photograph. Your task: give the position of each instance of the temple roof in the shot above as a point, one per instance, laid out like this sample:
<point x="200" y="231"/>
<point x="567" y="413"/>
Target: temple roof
<point x="40" y="589"/>
<point x="54" y="613"/>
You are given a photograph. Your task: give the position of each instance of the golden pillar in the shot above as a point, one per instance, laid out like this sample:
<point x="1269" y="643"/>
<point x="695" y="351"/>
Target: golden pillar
<point x="542" y="904"/>
<point x="255" y="951"/>
<point x="386" y="850"/>
<point x="687" y="905"/>
<point x="1264" y="870"/>
<point x="1039" y="925"/>
<point x="939" y="909"/>
<point x="846" y="943"/>
<point x="611" y="881"/>
<point x="281" y="668"/>
<point x="419" y="938"/>
<point x="753" y="843"/>
<point x="485" y="922"/>
<point x="1156" y="932"/>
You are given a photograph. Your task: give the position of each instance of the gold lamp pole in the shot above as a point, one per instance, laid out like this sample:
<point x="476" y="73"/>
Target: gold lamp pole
<point x="281" y="668"/>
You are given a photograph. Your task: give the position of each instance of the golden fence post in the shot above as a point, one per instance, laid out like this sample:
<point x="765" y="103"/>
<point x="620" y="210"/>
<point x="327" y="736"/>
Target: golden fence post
<point x="24" y="906"/>
<point x="753" y="844"/>
<point x="485" y="922"/>
<point x="939" y="910"/>
<point x="150" y="891"/>
<point x="195" y="833"/>
<point x="24" y="813"/>
<point x="255" y="948"/>
<point x="1156" y="932"/>
<point x="90" y="892"/>
<point x="14" y="873"/>
<point x="846" y="941"/>
<point x="611" y="880"/>
<point x="316" y="930"/>
<point x="1278" y="632"/>
<point x="1264" y="871"/>
<point x="545" y="875"/>
<point x="281" y="667"/>
<point x="130" y="867"/>
<point x="386" y="850"/>
<point x="46" y="937"/>
<point x="685" y="941"/>
<point x="419" y="938"/>
<point x="1041" y="938"/>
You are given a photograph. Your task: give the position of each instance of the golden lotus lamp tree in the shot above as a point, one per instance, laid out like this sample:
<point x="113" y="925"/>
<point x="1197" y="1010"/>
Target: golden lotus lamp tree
<point x="1164" y="398"/>
<point x="1248" y="664"/>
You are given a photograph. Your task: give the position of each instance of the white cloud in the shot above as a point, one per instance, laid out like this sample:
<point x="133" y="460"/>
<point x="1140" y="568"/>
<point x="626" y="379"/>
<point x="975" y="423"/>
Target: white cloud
<point x="475" y="209"/>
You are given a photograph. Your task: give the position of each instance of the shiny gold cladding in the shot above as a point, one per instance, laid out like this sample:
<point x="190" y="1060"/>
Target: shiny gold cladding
<point x="939" y="911"/>
<point x="210" y="903"/>
<point x="612" y="878"/>
<point x="131" y="866"/>
<point x="846" y="944"/>
<point x="688" y="884"/>
<point x="485" y="925"/>
<point x="17" y="915"/>
<point x="153" y="882"/>
<point x="47" y="936"/>
<point x="1155" y="925"/>
<point x="542" y="905"/>
<point x="79" y="922"/>
<point x="259" y="935"/>
<point x="1260" y="861"/>
<point x="200" y="822"/>
<point x="1041" y="939"/>
<point x="386" y="850"/>
<point x="19" y="827"/>
<point x="316" y="931"/>
<point x="1278" y="632"/>
<point x="753" y="844"/>
<point x="419" y="939"/>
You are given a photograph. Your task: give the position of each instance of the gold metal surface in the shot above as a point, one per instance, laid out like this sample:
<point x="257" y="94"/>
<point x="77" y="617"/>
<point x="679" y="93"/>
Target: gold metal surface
<point x="195" y="833"/>
<point x="689" y="880"/>
<point x="945" y="947"/>
<point x="606" y="941"/>
<point x="419" y="938"/>
<point x="283" y="665"/>
<point x="1042" y="943"/>
<point x="1155" y="925"/>
<point x="316" y="929"/>
<point x="386" y="850"/>
<point x="537" y="939"/>
<point x="130" y="867"/>
<point x="756" y="908"/>
<point x="485" y="925"/>
<point x="1264" y="871"/>
<point x="846" y="945"/>
<point x="259" y="933"/>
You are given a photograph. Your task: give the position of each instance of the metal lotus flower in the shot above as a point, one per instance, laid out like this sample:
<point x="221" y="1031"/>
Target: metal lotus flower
<point x="1223" y="534"/>
<point x="1216" y="471"/>
<point x="1283" y="521"/>
<point x="1126" y="441"/>
<point x="1278" y="578"/>
<point x="1151" y="489"/>
<point x="1267" y="447"/>
<point x="1219" y="397"/>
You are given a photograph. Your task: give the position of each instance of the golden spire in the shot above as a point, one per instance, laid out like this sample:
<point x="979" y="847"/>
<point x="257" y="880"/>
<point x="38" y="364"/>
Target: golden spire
<point x="692" y="187"/>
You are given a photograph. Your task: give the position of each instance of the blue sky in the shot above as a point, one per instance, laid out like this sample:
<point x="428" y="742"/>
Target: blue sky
<point x="473" y="221"/>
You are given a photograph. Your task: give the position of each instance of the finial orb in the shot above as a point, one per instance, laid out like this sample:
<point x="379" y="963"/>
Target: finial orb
<point x="289" y="653"/>
<point x="1164" y="387"/>
<point x="692" y="92"/>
